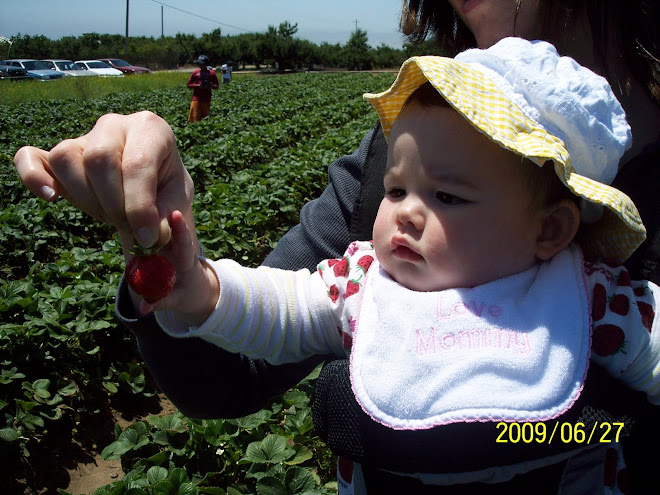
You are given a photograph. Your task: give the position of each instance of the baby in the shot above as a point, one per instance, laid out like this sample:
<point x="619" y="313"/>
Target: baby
<point x="494" y="272"/>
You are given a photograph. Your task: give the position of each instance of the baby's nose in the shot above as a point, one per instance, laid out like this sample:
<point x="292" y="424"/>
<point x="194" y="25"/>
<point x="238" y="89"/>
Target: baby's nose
<point x="411" y="212"/>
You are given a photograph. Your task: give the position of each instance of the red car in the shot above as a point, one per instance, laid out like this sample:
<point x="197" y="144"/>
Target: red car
<point x="124" y="66"/>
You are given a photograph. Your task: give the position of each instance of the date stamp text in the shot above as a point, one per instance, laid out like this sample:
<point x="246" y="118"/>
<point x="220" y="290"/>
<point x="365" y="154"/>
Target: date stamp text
<point x="599" y="432"/>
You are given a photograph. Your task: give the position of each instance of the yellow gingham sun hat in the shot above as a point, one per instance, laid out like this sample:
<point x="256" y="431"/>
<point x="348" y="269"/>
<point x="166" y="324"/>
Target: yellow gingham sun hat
<point x="528" y="99"/>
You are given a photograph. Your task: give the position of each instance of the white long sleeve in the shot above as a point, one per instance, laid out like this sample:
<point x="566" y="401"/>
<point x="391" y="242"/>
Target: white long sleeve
<point x="282" y="316"/>
<point x="278" y="315"/>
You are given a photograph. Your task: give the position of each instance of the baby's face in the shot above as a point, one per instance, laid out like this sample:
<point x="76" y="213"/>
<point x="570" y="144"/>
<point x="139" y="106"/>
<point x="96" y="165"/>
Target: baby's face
<point x="456" y="212"/>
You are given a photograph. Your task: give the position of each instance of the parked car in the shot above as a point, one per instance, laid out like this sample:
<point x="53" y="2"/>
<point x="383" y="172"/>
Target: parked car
<point x="68" y="67"/>
<point x="124" y="66"/>
<point x="100" y="68"/>
<point x="9" y="72"/>
<point x="36" y="69"/>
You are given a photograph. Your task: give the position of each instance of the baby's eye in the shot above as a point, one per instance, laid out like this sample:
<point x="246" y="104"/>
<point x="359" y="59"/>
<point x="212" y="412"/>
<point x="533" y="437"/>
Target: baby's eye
<point x="395" y="192"/>
<point x="448" y="199"/>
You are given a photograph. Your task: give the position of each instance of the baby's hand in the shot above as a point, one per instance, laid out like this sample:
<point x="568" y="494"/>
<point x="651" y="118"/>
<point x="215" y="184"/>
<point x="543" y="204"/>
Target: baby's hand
<point x="196" y="288"/>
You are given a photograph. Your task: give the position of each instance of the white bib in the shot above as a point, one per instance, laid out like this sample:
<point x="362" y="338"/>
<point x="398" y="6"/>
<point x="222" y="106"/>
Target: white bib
<point x="516" y="349"/>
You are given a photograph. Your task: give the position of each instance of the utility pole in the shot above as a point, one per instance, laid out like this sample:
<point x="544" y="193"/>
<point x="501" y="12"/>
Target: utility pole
<point x="162" y="27"/>
<point x="126" y="27"/>
<point x="356" y="28"/>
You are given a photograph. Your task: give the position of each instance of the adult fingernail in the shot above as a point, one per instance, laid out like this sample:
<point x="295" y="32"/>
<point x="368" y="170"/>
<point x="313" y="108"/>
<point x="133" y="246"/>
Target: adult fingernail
<point x="146" y="237"/>
<point x="47" y="193"/>
<point x="164" y="232"/>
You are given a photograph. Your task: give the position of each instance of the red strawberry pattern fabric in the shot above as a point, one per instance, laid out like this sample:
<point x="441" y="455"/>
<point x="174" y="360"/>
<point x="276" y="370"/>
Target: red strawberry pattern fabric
<point x="345" y="279"/>
<point x="625" y="339"/>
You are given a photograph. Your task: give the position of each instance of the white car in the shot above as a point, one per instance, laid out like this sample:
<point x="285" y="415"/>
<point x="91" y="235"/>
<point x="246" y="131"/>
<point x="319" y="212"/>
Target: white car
<point x="68" y="67"/>
<point x="100" y="68"/>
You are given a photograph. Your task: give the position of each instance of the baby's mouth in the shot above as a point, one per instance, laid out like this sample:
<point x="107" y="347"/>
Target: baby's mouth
<point x="405" y="253"/>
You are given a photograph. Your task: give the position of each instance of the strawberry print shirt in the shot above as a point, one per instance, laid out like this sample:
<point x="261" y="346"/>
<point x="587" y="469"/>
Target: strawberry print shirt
<point x="285" y="316"/>
<point x="625" y="339"/>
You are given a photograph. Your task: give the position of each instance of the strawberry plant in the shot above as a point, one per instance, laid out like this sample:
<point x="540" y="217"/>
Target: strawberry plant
<point x="64" y="361"/>
<point x="270" y="450"/>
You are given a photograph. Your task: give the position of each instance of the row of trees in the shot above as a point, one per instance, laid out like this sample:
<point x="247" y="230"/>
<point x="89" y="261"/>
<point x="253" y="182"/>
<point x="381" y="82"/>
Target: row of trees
<point x="277" y="48"/>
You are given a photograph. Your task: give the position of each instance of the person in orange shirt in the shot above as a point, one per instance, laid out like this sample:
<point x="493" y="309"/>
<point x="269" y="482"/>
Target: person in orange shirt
<point x="202" y="81"/>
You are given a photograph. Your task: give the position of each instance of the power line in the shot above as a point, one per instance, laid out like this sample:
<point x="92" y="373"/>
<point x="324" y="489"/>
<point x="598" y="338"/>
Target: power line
<point x="200" y="16"/>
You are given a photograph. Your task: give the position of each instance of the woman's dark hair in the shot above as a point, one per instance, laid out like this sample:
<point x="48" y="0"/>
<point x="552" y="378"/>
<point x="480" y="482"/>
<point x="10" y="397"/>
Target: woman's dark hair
<point x="628" y="27"/>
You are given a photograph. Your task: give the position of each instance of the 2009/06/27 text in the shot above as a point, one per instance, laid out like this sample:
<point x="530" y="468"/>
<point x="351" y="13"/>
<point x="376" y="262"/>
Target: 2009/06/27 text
<point x="579" y="433"/>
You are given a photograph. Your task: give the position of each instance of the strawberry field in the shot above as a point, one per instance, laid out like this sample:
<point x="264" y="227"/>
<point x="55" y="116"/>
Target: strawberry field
<point x="67" y="367"/>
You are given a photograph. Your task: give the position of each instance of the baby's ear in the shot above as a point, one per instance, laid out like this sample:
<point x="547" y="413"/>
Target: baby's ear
<point x="560" y="223"/>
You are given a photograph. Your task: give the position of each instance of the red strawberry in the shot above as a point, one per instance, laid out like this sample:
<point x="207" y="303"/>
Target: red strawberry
<point x="365" y="262"/>
<point x="152" y="276"/>
<point x="640" y="291"/>
<point x="340" y="267"/>
<point x="647" y="314"/>
<point x="352" y="288"/>
<point x="345" y="468"/>
<point x="333" y="292"/>
<point x="600" y="302"/>
<point x="620" y="304"/>
<point x="346" y="341"/>
<point x="607" y="340"/>
<point x="624" y="278"/>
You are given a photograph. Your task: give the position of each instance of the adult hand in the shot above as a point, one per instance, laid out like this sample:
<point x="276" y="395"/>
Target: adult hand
<point x="125" y="172"/>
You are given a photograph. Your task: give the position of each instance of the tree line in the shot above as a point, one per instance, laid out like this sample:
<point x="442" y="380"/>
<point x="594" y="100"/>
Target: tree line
<point x="278" y="48"/>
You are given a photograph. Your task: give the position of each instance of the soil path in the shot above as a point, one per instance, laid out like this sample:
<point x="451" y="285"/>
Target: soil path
<point x="87" y="476"/>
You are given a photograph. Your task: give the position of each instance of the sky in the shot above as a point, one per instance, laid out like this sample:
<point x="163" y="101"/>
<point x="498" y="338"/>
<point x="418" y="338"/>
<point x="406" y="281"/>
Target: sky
<point x="332" y="21"/>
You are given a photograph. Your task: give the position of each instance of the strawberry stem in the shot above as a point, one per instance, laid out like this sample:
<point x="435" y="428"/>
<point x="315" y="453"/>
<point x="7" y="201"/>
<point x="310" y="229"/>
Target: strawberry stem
<point x="138" y="250"/>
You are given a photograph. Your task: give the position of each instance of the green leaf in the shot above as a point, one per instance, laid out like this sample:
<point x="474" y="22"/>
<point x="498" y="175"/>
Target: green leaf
<point x="271" y="486"/>
<point x="254" y="420"/>
<point x="271" y="450"/>
<point x="132" y="438"/>
<point x="218" y="431"/>
<point x="211" y="490"/>
<point x="172" y="423"/>
<point x="179" y="477"/>
<point x="187" y="489"/>
<point x="68" y="390"/>
<point x="299" y="480"/>
<point x="9" y="434"/>
<point x="164" y="487"/>
<point x="156" y="474"/>
<point x="302" y="454"/>
<point x="7" y="376"/>
<point x="301" y="421"/>
<point x="111" y="387"/>
<point x="296" y="398"/>
<point x="136" y="491"/>
<point x="38" y="388"/>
